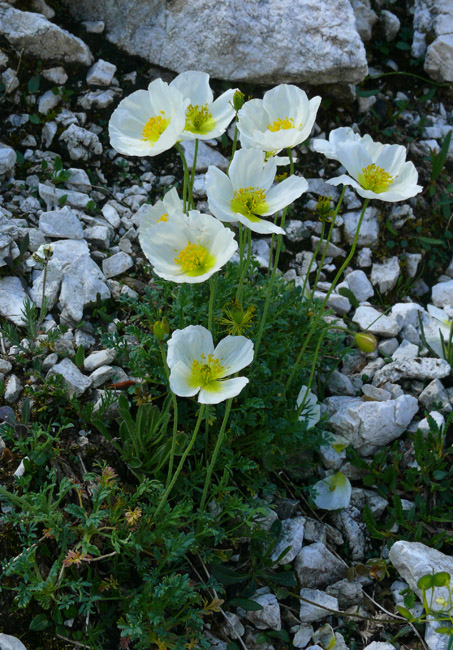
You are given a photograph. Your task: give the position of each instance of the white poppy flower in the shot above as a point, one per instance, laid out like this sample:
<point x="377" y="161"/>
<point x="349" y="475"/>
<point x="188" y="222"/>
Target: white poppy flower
<point x="160" y="211"/>
<point x="188" y="249"/>
<point x="333" y="492"/>
<point x="148" y="122"/>
<point x="282" y="119"/>
<point x="196" y="367"/>
<point x="205" y="118"/>
<point x="312" y="410"/>
<point x="377" y="171"/>
<point x="337" y="136"/>
<point x="437" y="326"/>
<point x="246" y="194"/>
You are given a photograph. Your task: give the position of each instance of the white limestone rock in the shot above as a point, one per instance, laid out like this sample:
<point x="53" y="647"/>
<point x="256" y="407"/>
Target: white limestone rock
<point x="317" y="41"/>
<point x="417" y="368"/>
<point x="292" y="535"/>
<point x="56" y="75"/>
<point x="365" y="18"/>
<point x="53" y="196"/>
<point x="54" y="277"/>
<point x="99" y="358"/>
<point x="8" y="642"/>
<point x="369" y="425"/>
<point x="13" y="389"/>
<point x="390" y="23"/>
<point x="33" y="34"/>
<point x="369" y="230"/>
<point x="7" y="159"/>
<point x="117" y="264"/>
<point x="316" y="567"/>
<point x="101" y="73"/>
<point x="75" y="381"/>
<point x="12" y="299"/>
<point x="433" y="23"/>
<point x="309" y="612"/>
<point x="61" y="224"/>
<point x="368" y="318"/>
<point x="385" y="275"/>
<point x="48" y="101"/>
<point x="360" y="286"/>
<point x="206" y="156"/>
<point x="64" y="251"/>
<point x="81" y="143"/>
<point x="268" y="617"/>
<point x="83" y="280"/>
<point x="413" y="560"/>
<point x="435" y="394"/>
<point x="442" y="294"/>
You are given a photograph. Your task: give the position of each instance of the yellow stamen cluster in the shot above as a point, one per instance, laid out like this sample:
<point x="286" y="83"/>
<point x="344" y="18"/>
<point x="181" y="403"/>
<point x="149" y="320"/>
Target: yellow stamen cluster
<point x="192" y="258"/>
<point x="324" y="209"/>
<point x="154" y="127"/>
<point x="163" y="217"/>
<point x="206" y="373"/>
<point x="281" y="123"/>
<point x="199" y="119"/>
<point x="249" y="201"/>
<point x="237" y="320"/>
<point x="375" y="179"/>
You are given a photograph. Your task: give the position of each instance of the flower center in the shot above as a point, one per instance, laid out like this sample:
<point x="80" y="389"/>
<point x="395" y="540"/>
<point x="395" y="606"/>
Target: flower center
<point x="154" y="127"/>
<point x="163" y="217"/>
<point x="206" y="371"/>
<point x="282" y="123"/>
<point x="195" y="259"/>
<point x="199" y="119"/>
<point x="249" y="201"/>
<point x="375" y="179"/>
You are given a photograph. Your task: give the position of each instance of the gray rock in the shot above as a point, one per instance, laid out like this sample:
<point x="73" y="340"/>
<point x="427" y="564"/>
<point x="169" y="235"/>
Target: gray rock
<point x="390" y="23"/>
<point x="8" y="642"/>
<point x="317" y="43"/>
<point x="81" y="143"/>
<point x="364" y="258"/>
<point x="50" y="361"/>
<point x="309" y="612"/>
<point x="370" y="425"/>
<point x="43" y="8"/>
<point x="99" y="236"/>
<point x="98" y="359"/>
<point x="48" y="101"/>
<point x="350" y="523"/>
<point x="12" y="299"/>
<point x="377" y="394"/>
<point x="5" y="366"/>
<point x="56" y="75"/>
<point x="360" y="286"/>
<point x="413" y="560"/>
<point x="78" y="180"/>
<point x="54" y="196"/>
<point x="331" y="249"/>
<point x="75" y="381"/>
<point x="340" y="384"/>
<point x="316" y="531"/>
<point x="292" y="535"/>
<point x="64" y="251"/>
<point x="54" y="277"/>
<point x="386" y="274"/>
<point x="7" y="159"/>
<point x="433" y="639"/>
<point x="405" y="352"/>
<point x="94" y="26"/>
<point x="117" y="264"/>
<point x="13" y="389"/>
<point x="317" y="567"/>
<point x="36" y="36"/>
<point x="365" y="18"/>
<point x="379" y="645"/>
<point x="206" y="156"/>
<point x="434" y="395"/>
<point x="369" y="230"/>
<point x="101" y="375"/>
<point x="101" y="73"/>
<point x="97" y="99"/>
<point x="234" y="628"/>
<point x="268" y="617"/>
<point x="62" y="224"/>
<point x="83" y="280"/>
<point x="373" y="321"/>
<point x="412" y="369"/>
<point x="406" y="313"/>
<point x="424" y="425"/>
<point x="347" y="592"/>
<point x="9" y="78"/>
<point x="303" y="636"/>
<point x="442" y="294"/>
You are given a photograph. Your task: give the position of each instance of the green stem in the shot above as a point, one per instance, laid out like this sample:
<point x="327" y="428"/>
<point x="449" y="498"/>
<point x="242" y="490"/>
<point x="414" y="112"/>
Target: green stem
<point x="164" y="498"/>
<point x="175" y="415"/>
<point x="212" y="291"/>
<point x="219" y="443"/>
<point x="186" y="176"/>
<point x="244" y="266"/>
<point x="274" y="269"/>
<point x="329" y="237"/>
<point x="314" y="327"/>
<point x="313" y="259"/>
<point x="235" y="142"/>
<point x="313" y="369"/>
<point x="192" y="177"/>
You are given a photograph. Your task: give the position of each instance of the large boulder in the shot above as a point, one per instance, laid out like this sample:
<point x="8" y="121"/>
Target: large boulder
<point x="433" y="37"/>
<point x="313" y="41"/>
<point x="37" y="36"/>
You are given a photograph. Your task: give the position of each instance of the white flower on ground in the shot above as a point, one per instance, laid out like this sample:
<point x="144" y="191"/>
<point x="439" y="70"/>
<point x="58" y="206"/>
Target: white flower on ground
<point x="283" y="118"/>
<point x="333" y="492"/>
<point x="437" y="327"/>
<point x="162" y="210"/>
<point x="336" y="137"/>
<point x="246" y="194"/>
<point x="148" y="122"/>
<point x="188" y="248"/>
<point x="205" y="118"/>
<point x="377" y="171"/>
<point x="311" y="410"/>
<point x="196" y="367"/>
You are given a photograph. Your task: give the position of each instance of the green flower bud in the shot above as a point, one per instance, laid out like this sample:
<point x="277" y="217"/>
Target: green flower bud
<point x="366" y="341"/>
<point x="238" y="100"/>
<point x="158" y="330"/>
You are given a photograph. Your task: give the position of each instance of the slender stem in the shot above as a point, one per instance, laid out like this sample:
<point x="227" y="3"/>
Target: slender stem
<point x="175" y="416"/>
<point x="212" y="291"/>
<point x="235" y="142"/>
<point x="329" y="237"/>
<point x="314" y="327"/>
<point x="313" y="259"/>
<point x="186" y="176"/>
<point x="242" y="236"/>
<point x="313" y="369"/>
<point x="219" y="443"/>
<point x="244" y="266"/>
<point x="274" y="269"/>
<point x="192" y="177"/>
<point x="164" y="498"/>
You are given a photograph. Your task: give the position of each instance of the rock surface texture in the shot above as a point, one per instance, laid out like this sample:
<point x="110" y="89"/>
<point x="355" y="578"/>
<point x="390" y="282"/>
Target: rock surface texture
<point x="262" y="42"/>
<point x="433" y="24"/>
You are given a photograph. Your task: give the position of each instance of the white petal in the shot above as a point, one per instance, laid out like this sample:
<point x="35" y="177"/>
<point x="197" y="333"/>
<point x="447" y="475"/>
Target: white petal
<point x="180" y="384"/>
<point x="333" y="492"/>
<point x="440" y="314"/>
<point x="261" y="226"/>
<point x="246" y="168"/>
<point x="219" y="391"/>
<point x="312" y="410"/>
<point x="194" y="85"/>
<point x="354" y="157"/>
<point x="391" y="157"/>
<point x="234" y="353"/>
<point x="188" y="344"/>
<point x="285" y="193"/>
